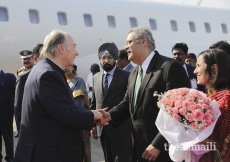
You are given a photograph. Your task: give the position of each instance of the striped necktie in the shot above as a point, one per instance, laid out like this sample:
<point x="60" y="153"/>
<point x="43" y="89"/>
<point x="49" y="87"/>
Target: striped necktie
<point x="138" y="83"/>
<point x="105" y="85"/>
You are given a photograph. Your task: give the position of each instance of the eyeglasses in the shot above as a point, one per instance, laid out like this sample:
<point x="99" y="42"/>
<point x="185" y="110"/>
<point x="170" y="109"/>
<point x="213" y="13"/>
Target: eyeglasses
<point x="130" y="41"/>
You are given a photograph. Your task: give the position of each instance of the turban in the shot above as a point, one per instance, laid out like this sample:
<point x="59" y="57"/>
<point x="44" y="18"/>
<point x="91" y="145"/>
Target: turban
<point x="111" y="48"/>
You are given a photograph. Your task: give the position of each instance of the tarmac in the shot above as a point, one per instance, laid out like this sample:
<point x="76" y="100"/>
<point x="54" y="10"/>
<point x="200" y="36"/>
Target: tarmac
<point x="96" y="150"/>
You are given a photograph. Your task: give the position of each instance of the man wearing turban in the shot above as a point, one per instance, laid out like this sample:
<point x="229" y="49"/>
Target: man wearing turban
<point x="109" y="87"/>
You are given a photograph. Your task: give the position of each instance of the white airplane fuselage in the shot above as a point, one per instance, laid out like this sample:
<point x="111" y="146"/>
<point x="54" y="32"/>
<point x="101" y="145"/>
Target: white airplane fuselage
<point x="18" y="33"/>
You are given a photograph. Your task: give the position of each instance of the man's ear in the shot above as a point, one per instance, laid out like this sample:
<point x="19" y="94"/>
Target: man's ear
<point x="61" y="48"/>
<point x="144" y="41"/>
<point x="35" y="59"/>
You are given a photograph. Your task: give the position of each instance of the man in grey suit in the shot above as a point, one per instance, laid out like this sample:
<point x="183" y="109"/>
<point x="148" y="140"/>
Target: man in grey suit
<point x="123" y="62"/>
<point x="109" y="87"/>
<point x="153" y="73"/>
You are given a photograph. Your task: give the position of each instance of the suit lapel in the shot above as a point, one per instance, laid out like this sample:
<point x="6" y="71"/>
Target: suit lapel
<point x="132" y="82"/>
<point x="146" y="79"/>
<point x="99" y="80"/>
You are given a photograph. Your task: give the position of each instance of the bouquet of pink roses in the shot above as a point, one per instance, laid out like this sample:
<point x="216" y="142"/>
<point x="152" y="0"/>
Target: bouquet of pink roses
<point x="186" y="117"/>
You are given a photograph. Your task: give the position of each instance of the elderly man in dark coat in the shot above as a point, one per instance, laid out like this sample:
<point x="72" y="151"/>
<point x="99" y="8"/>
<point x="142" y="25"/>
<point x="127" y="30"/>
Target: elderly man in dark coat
<point x="51" y="122"/>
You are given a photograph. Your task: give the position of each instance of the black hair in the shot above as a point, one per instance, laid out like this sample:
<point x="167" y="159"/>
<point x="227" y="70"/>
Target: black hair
<point x="95" y="68"/>
<point x="123" y="54"/>
<point x="221" y="80"/>
<point x="223" y="45"/>
<point x="36" y="49"/>
<point x="192" y="55"/>
<point x="182" y="46"/>
<point x="74" y="71"/>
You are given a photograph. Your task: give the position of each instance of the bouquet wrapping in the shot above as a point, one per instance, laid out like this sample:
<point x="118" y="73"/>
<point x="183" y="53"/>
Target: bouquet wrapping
<point x="186" y="118"/>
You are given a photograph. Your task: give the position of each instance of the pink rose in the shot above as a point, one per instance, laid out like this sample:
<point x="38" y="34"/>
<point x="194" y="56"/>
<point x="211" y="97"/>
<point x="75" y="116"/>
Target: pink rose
<point x="207" y="117"/>
<point x="182" y="111"/>
<point x="201" y="127"/>
<point x="185" y="104"/>
<point x="193" y="106"/>
<point x="176" y="117"/>
<point x="201" y="102"/>
<point x="178" y="104"/>
<point x="174" y="110"/>
<point x="193" y="125"/>
<point x="189" y="117"/>
<point x="196" y="93"/>
<point x="182" y="91"/>
<point x="168" y="108"/>
<point x="198" y="114"/>
<point x="179" y="97"/>
<point x="207" y="100"/>
<point x="190" y="98"/>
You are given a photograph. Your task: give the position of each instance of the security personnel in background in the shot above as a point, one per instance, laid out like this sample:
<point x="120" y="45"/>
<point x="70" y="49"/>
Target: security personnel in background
<point x="27" y="61"/>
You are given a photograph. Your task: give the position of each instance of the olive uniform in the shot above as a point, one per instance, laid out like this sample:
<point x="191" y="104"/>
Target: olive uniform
<point x="24" y="54"/>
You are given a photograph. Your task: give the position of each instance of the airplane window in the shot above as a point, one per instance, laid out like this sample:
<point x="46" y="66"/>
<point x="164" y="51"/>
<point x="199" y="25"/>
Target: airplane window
<point x="34" y="17"/>
<point x="88" y="20"/>
<point x="62" y="18"/>
<point x="3" y="14"/>
<point x="133" y="22"/>
<point x="192" y="26"/>
<point x="111" y="22"/>
<point x="207" y="27"/>
<point x="224" y="28"/>
<point x="153" y="24"/>
<point x="173" y="25"/>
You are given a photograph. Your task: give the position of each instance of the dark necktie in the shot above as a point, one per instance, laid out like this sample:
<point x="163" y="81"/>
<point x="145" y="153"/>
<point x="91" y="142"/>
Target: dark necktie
<point x="105" y="85"/>
<point x="138" y="84"/>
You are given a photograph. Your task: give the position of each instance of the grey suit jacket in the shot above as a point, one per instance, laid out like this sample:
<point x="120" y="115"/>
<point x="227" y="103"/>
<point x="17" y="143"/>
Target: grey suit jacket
<point x="114" y="96"/>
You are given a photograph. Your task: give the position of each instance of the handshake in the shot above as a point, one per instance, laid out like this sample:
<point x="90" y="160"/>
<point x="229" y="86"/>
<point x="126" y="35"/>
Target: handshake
<point x="101" y="117"/>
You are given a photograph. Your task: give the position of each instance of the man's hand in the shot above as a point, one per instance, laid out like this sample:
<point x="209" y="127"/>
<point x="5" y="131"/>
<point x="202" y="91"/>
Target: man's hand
<point x="151" y="153"/>
<point x="93" y="133"/>
<point x="106" y="116"/>
<point x="97" y="117"/>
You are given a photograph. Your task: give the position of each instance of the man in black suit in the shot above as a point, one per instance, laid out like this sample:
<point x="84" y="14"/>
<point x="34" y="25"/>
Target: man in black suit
<point x="51" y="123"/>
<point x="116" y="143"/>
<point x="153" y="73"/>
<point x="7" y="89"/>
<point x="20" y="84"/>
<point x="179" y="53"/>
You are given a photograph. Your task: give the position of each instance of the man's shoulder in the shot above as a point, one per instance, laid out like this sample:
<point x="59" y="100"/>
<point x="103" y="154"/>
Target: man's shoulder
<point x="20" y="70"/>
<point x="190" y="67"/>
<point x="119" y="71"/>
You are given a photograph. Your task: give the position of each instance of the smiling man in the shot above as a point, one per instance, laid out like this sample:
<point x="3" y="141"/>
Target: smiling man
<point x="154" y="73"/>
<point x="27" y="61"/>
<point x="51" y="123"/>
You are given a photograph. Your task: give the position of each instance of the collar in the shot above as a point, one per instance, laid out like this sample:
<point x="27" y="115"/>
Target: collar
<point x="146" y="63"/>
<point x="59" y="69"/>
<point x="55" y="63"/>
<point x="111" y="72"/>
<point x="126" y="66"/>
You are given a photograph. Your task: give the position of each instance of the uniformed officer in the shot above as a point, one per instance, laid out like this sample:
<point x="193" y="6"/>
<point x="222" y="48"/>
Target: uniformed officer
<point x="27" y="61"/>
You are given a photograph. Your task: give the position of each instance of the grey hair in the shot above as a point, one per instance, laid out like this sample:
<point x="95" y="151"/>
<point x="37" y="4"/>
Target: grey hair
<point x="52" y="41"/>
<point x="142" y="31"/>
